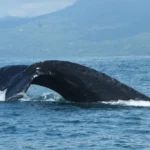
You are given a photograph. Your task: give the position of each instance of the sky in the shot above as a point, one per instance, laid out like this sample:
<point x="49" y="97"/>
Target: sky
<point x="30" y="8"/>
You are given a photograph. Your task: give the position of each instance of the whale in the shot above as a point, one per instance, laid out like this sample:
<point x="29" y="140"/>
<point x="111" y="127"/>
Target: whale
<point x="74" y="82"/>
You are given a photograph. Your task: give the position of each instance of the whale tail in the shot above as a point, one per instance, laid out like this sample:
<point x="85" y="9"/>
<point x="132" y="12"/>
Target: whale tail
<point x="72" y="81"/>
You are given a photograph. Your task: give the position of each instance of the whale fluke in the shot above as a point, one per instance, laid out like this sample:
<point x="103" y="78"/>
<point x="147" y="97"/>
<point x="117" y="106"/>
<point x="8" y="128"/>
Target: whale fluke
<point x="73" y="81"/>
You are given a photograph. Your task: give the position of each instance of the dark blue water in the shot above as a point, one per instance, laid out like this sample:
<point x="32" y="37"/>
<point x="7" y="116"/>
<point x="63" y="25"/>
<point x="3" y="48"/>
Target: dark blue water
<point x="46" y="123"/>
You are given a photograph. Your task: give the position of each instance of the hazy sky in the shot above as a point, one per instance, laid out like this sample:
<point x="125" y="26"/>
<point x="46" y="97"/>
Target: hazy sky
<point x="23" y="8"/>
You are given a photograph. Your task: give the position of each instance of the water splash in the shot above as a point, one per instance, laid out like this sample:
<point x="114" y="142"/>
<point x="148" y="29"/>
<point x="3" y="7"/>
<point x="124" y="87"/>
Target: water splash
<point x="50" y="97"/>
<point x="45" y="97"/>
<point x="25" y="98"/>
<point x="134" y="103"/>
<point x="3" y="95"/>
<point x="53" y="97"/>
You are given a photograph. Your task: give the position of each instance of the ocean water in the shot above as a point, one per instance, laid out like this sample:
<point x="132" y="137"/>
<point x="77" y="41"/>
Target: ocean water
<point x="43" y="120"/>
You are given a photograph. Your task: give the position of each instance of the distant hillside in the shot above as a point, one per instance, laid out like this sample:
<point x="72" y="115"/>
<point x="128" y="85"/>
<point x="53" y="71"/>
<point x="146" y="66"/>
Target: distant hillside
<point x="11" y="22"/>
<point x="87" y="28"/>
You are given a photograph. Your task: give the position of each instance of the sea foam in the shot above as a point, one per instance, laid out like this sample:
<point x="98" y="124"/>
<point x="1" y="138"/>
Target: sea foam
<point x="135" y="103"/>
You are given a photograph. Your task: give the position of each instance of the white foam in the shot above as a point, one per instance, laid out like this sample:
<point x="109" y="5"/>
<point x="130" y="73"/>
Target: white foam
<point x="3" y="95"/>
<point x="51" y="97"/>
<point x="25" y="97"/>
<point x="140" y="103"/>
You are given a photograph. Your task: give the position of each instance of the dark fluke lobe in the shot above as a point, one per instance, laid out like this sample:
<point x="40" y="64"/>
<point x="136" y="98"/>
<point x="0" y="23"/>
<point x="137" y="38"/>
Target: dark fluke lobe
<point x="73" y="81"/>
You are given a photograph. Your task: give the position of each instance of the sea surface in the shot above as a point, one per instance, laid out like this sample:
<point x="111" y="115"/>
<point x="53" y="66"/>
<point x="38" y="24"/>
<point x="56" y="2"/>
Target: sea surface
<point x="43" y="120"/>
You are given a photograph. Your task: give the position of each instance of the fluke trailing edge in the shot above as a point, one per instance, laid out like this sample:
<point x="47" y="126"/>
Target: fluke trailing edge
<point x="73" y="81"/>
